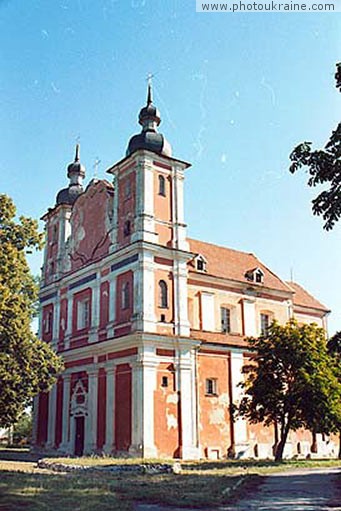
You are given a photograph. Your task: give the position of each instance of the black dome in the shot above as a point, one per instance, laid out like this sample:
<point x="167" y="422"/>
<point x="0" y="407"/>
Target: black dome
<point x="69" y="195"/>
<point x="150" y="140"/>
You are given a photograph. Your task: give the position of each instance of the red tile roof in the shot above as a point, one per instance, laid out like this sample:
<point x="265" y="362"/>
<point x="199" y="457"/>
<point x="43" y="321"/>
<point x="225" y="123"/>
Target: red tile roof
<point x="304" y="299"/>
<point x="233" y="264"/>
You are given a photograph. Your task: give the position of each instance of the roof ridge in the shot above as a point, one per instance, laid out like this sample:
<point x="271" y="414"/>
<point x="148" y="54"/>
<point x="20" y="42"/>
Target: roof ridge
<point x="223" y="247"/>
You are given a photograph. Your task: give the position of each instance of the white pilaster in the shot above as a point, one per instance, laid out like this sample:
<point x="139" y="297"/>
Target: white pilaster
<point x="109" y="445"/>
<point x="143" y="387"/>
<point x="249" y="310"/>
<point x="68" y="331"/>
<point x="179" y="226"/>
<point x="182" y="325"/>
<point x="52" y="418"/>
<point x="112" y="305"/>
<point x="56" y="314"/>
<point x="147" y="275"/>
<point x="189" y="449"/>
<point x="95" y="314"/>
<point x="65" y="445"/>
<point x="240" y="424"/>
<point x="90" y="443"/>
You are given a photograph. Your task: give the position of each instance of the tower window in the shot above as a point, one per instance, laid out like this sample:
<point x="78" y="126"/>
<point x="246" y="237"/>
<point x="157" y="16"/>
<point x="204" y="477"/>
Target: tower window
<point x="163" y="295"/>
<point x="127" y="228"/>
<point x="225" y="314"/>
<point x="162" y="186"/>
<point x="264" y="324"/>
<point x="211" y="387"/>
<point x="127" y="189"/>
<point x="125" y="296"/>
<point x="55" y="234"/>
<point x="164" y="382"/>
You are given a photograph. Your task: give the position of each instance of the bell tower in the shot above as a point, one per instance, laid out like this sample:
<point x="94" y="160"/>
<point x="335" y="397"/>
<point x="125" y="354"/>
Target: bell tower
<point x="149" y="208"/>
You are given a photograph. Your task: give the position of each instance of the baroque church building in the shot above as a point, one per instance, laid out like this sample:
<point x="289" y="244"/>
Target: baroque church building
<point x="151" y="324"/>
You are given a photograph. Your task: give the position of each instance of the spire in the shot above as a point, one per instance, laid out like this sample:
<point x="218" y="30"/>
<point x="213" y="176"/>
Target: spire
<point x="77" y="152"/>
<point x="75" y="170"/>
<point x="76" y="174"/>
<point x="149" y="93"/>
<point x="149" y="119"/>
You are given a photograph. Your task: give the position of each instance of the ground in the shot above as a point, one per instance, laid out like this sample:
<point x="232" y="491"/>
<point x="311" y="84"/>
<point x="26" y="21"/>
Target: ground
<point x="201" y="485"/>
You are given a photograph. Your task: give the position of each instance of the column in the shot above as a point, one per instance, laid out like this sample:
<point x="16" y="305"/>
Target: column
<point x="90" y="444"/>
<point x="65" y="445"/>
<point x="52" y="418"/>
<point x="189" y="449"/>
<point x="109" y="445"/>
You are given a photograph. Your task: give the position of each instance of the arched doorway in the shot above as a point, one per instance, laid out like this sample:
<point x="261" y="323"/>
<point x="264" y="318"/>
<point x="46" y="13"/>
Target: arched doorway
<point x="78" y="414"/>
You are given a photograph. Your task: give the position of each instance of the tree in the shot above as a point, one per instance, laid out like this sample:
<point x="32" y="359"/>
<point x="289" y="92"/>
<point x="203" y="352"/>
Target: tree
<point x="27" y="365"/>
<point x="334" y="349"/>
<point x="324" y="167"/>
<point x="290" y="382"/>
<point x="22" y="430"/>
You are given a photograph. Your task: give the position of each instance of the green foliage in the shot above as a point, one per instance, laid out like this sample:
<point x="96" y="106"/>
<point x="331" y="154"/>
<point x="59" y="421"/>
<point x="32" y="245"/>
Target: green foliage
<point x="23" y="429"/>
<point x="334" y="349"/>
<point x="27" y="365"/>
<point x="291" y="382"/>
<point x="324" y="168"/>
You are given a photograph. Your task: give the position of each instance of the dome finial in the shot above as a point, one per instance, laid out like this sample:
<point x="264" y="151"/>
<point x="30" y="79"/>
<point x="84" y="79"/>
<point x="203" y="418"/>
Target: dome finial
<point x="149" y="93"/>
<point x="77" y="152"/>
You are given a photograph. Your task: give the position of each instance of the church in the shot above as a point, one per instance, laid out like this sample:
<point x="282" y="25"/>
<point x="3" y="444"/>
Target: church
<point x="151" y="324"/>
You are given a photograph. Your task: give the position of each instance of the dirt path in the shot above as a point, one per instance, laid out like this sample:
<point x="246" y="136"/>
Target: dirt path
<point x="304" y="490"/>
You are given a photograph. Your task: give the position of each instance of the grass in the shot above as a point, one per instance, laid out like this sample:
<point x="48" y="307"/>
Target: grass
<point x="202" y="483"/>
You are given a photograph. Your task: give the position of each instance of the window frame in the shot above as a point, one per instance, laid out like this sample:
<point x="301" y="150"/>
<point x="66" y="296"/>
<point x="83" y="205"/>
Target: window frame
<point x="125" y="296"/>
<point x="265" y="321"/>
<point x="223" y="310"/>
<point x="163" y="294"/>
<point x="83" y="313"/>
<point x="162" y="185"/>
<point x="211" y="387"/>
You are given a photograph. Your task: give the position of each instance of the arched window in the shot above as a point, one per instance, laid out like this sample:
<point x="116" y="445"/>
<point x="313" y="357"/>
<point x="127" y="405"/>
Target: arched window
<point x="162" y="186"/>
<point x="163" y="294"/>
<point x="125" y="297"/>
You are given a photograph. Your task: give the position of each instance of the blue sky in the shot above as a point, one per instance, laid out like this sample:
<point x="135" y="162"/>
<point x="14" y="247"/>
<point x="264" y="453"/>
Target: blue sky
<point x="236" y="93"/>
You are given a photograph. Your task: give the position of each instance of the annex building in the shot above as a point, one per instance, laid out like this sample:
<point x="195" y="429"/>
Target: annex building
<point x="151" y="324"/>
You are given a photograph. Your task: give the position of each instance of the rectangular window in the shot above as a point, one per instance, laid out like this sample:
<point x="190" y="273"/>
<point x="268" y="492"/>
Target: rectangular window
<point x="225" y="314"/>
<point x="211" y="387"/>
<point x="264" y="324"/>
<point x="83" y="314"/>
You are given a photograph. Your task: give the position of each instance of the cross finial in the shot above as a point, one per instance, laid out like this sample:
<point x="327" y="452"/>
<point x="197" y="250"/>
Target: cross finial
<point x="95" y="167"/>
<point x="78" y="139"/>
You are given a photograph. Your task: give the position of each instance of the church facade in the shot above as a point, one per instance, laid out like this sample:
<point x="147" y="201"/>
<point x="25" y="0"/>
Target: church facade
<point x="151" y="324"/>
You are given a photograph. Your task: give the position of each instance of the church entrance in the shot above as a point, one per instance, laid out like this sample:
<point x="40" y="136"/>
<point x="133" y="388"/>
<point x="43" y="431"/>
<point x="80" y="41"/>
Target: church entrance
<point x="79" y="436"/>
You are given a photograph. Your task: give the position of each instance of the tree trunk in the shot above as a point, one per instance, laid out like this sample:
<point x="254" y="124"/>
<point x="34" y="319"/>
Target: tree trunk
<point x="280" y="447"/>
<point x="340" y="445"/>
<point x="313" y="447"/>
